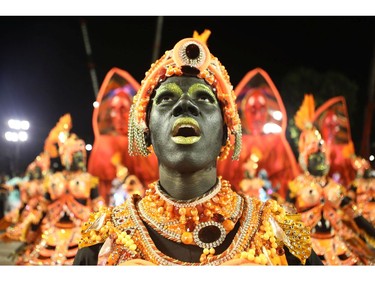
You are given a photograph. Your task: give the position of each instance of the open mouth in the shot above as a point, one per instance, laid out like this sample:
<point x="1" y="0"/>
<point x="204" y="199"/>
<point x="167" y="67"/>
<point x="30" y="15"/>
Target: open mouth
<point x="186" y="131"/>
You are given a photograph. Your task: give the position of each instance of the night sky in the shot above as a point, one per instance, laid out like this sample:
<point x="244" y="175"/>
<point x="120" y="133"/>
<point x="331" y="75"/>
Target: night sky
<point x="44" y="69"/>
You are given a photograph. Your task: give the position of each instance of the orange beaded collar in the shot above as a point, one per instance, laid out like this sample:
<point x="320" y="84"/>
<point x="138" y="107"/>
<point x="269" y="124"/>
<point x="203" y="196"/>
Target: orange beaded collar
<point x="204" y="221"/>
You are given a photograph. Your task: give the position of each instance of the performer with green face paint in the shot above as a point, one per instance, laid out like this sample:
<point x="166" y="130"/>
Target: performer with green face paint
<point x="185" y="113"/>
<point x="340" y="234"/>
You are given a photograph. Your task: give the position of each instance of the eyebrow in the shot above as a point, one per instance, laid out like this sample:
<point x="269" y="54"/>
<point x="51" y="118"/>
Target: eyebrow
<point x="199" y="86"/>
<point x="173" y="87"/>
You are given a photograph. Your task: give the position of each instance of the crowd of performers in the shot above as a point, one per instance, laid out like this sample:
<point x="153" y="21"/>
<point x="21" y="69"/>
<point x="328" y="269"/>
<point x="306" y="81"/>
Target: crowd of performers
<point x="57" y="197"/>
<point x="327" y="182"/>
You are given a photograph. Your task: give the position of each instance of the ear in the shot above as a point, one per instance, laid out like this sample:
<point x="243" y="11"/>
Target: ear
<point x="225" y="135"/>
<point x="147" y="136"/>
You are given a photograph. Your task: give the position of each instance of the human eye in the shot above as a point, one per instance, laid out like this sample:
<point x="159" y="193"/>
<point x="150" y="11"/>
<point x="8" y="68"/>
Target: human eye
<point x="164" y="97"/>
<point x="202" y="93"/>
<point x="205" y="97"/>
<point x="167" y="93"/>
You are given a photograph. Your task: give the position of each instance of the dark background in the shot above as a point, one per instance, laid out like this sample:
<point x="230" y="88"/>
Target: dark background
<point x="45" y="71"/>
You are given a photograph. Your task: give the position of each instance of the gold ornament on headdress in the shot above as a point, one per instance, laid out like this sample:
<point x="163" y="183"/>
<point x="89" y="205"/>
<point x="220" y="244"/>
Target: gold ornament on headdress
<point x="194" y="55"/>
<point x="58" y="135"/>
<point x="203" y="37"/>
<point x="305" y="114"/>
<point x="71" y="145"/>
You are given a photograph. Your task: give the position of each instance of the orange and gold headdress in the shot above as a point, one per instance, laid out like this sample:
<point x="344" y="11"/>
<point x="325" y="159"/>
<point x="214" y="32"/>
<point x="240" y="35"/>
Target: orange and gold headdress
<point x="58" y="135"/>
<point x="69" y="147"/>
<point x="310" y="139"/>
<point x="190" y="56"/>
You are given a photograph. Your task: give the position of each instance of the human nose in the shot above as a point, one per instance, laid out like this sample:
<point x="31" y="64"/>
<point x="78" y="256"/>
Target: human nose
<point x="185" y="105"/>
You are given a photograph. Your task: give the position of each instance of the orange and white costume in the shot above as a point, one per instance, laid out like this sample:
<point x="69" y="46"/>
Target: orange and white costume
<point x="323" y="203"/>
<point x="31" y="195"/>
<point x="70" y="196"/>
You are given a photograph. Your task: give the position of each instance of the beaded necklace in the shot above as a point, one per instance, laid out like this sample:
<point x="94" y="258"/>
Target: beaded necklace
<point x="204" y="221"/>
<point x="264" y="229"/>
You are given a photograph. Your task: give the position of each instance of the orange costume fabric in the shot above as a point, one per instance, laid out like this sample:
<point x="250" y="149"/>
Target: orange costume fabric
<point x="337" y="231"/>
<point x="110" y="126"/>
<point x="70" y="196"/>
<point x="332" y="120"/>
<point x="264" y="121"/>
<point x="31" y="194"/>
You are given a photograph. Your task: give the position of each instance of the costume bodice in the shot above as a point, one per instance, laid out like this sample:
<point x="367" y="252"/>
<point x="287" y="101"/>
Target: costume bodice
<point x="264" y="229"/>
<point x="365" y="197"/>
<point x="365" y="189"/>
<point x="333" y="231"/>
<point x="70" y="195"/>
<point x="31" y="189"/>
<point x="309" y="192"/>
<point x="78" y="184"/>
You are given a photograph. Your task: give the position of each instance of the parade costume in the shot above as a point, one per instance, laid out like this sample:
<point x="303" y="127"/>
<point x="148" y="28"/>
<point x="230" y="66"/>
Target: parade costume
<point x="264" y="123"/>
<point x="340" y="235"/>
<point x="262" y="229"/>
<point x="189" y="89"/>
<point x="332" y="120"/>
<point x="362" y="188"/>
<point x="124" y="185"/>
<point x="110" y="125"/>
<point x="70" y="196"/>
<point x="30" y="212"/>
<point x="256" y="183"/>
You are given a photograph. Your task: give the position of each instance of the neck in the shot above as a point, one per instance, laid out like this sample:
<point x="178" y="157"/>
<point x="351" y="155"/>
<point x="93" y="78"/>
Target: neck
<point x="185" y="186"/>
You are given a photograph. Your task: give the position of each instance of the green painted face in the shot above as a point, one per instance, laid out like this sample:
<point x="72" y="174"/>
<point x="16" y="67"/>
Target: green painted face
<point x="186" y="124"/>
<point x="78" y="162"/>
<point x="317" y="164"/>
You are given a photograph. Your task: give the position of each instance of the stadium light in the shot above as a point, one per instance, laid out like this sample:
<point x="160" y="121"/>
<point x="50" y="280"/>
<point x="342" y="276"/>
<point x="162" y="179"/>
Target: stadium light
<point x="16" y="133"/>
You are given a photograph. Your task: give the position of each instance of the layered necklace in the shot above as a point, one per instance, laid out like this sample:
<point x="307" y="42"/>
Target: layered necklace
<point x="204" y="221"/>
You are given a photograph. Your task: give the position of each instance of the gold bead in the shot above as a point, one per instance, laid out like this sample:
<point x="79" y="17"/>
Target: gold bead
<point x="228" y="225"/>
<point x="244" y="255"/>
<point x="207" y="213"/>
<point x="257" y="260"/>
<point x="194" y="211"/>
<point x="187" y="238"/>
<point x="182" y="211"/>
